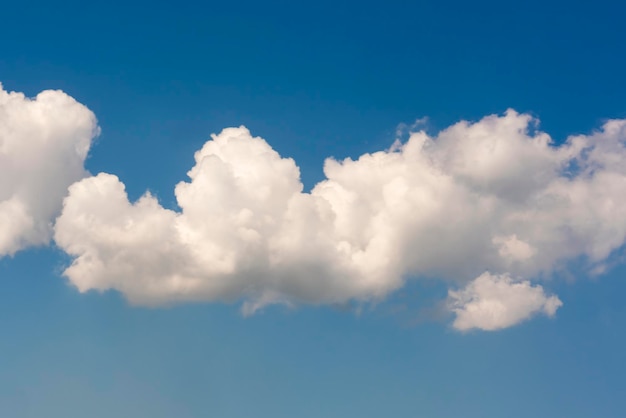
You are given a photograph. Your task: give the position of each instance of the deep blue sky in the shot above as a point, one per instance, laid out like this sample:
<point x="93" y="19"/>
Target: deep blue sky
<point x="316" y="80"/>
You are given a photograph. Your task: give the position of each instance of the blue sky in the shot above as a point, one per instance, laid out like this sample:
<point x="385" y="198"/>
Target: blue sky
<point x="330" y="79"/>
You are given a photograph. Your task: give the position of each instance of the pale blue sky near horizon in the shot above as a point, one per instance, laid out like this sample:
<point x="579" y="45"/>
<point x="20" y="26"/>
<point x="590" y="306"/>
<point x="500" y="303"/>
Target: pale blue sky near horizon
<point x="315" y="80"/>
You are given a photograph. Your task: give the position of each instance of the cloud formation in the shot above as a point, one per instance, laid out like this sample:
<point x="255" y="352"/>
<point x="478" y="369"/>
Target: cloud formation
<point x="493" y="302"/>
<point x="43" y="144"/>
<point x="495" y="195"/>
<point x="485" y="206"/>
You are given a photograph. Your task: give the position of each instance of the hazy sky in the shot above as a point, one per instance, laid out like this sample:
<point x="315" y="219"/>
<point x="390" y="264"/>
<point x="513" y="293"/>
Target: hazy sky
<point x="270" y="209"/>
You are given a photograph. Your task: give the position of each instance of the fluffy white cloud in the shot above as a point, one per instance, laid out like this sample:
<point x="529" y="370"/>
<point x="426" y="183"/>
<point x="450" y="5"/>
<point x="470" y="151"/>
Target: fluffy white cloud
<point x="492" y="302"/>
<point x="486" y="196"/>
<point x="43" y="144"/>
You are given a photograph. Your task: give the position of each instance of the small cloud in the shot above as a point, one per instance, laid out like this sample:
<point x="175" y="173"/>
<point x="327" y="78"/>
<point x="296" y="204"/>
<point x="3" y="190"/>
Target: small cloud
<point x="493" y="302"/>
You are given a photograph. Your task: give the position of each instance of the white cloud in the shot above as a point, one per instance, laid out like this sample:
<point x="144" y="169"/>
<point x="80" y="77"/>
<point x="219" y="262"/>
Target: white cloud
<point x="43" y="144"/>
<point x="487" y="196"/>
<point x="492" y="302"/>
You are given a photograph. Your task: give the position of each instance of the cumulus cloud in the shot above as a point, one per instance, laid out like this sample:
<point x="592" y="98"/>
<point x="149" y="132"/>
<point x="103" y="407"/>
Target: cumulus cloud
<point x="492" y="302"/>
<point x="494" y="195"/>
<point x="43" y="144"/>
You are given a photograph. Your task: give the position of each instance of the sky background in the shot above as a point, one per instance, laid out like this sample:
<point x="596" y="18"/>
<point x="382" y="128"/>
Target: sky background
<point x="316" y="80"/>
